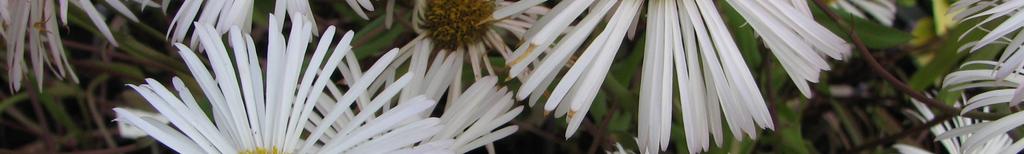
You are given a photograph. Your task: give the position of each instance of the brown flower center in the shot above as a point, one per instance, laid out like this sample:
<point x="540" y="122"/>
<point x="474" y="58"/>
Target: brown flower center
<point x="457" y="23"/>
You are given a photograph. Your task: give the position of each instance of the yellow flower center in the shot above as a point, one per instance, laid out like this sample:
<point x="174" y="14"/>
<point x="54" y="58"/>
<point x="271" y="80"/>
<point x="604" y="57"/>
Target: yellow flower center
<point x="457" y="23"/>
<point x="260" y="151"/>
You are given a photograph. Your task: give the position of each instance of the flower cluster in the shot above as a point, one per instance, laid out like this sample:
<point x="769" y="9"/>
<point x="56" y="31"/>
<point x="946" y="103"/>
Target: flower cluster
<point x="269" y="110"/>
<point x="30" y="26"/>
<point x="282" y="94"/>
<point x="999" y="81"/>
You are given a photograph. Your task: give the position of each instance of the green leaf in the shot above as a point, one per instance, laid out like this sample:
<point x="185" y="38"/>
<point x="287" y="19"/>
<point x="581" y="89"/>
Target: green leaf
<point x="375" y="39"/>
<point x="943" y="63"/>
<point x="600" y="107"/>
<point x="49" y="99"/>
<point x="907" y="3"/>
<point x="948" y="59"/>
<point x="679" y="137"/>
<point x="874" y="35"/>
<point x="12" y="100"/>
<point x="941" y="20"/>
<point x="621" y="122"/>
<point x="626" y="67"/>
<point x="125" y="71"/>
<point x="789" y="133"/>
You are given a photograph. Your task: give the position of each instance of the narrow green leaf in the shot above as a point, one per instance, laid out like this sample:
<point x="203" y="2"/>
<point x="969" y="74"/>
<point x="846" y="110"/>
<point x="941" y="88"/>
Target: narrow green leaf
<point x="874" y="35"/>
<point x="375" y="39"/>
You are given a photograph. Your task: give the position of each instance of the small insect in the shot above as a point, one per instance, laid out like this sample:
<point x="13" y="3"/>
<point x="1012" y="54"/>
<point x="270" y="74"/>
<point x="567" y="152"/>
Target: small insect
<point x="41" y="25"/>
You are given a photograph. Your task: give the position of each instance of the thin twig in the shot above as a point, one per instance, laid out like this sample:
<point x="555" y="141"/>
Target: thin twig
<point x="596" y="133"/>
<point x="543" y="134"/>
<point x="115" y="55"/>
<point x="95" y="112"/>
<point x="601" y="131"/>
<point x="891" y="138"/>
<point x="877" y="68"/>
<point x="37" y="107"/>
<point x="947" y="110"/>
<point x="766" y="72"/>
<point x="24" y="121"/>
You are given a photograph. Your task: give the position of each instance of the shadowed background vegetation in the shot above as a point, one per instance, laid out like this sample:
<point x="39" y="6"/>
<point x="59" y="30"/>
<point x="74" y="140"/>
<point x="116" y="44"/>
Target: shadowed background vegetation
<point x="853" y="109"/>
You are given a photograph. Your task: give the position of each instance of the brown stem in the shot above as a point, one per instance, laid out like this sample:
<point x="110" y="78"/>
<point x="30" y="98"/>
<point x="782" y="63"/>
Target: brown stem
<point x="37" y="107"/>
<point x="877" y="68"/>
<point x="900" y="85"/>
<point x="115" y="55"/>
<point x="600" y="132"/>
<point x="543" y="134"/>
<point x="94" y="111"/>
<point x="766" y="72"/>
<point x="24" y="122"/>
<point x="947" y="110"/>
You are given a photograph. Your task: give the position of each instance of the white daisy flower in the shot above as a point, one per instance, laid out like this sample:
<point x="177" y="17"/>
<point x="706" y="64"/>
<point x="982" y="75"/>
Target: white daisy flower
<point x="687" y="40"/>
<point x="224" y="14"/>
<point x="973" y="136"/>
<point x="953" y="144"/>
<point x="470" y="117"/>
<point x="361" y="6"/>
<point x="227" y="13"/>
<point x="35" y="21"/>
<point x="253" y="116"/>
<point x="470" y="28"/>
<point x="473" y="118"/>
<point x="1006" y="33"/>
<point x="451" y="31"/>
<point x="128" y="131"/>
<point x="883" y="11"/>
<point x="1003" y="77"/>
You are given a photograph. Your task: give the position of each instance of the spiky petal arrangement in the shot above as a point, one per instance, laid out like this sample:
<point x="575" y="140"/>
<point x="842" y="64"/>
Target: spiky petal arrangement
<point x="471" y="117"/>
<point x="1008" y="32"/>
<point x="687" y="42"/>
<point x="471" y="114"/>
<point x="259" y="113"/>
<point x="474" y="30"/>
<point x="883" y="11"/>
<point x="1001" y="79"/>
<point x="981" y="136"/>
<point x="225" y="14"/>
<point x="36" y="22"/>
<point x="953" y="144"/>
